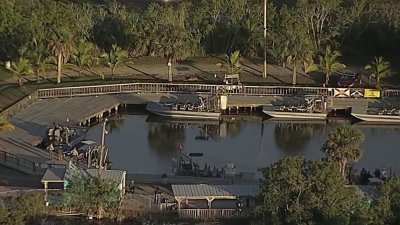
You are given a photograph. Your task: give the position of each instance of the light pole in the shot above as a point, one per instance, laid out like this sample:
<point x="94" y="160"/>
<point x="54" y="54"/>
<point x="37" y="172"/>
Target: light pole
<point x="265" y="39"/>
<point x="169" y="70"/>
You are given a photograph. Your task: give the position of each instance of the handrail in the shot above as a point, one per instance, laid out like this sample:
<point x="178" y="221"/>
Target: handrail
<point x="25" y="165"/>
<point x="21" y="104"/>
<point x="209" y="213"/>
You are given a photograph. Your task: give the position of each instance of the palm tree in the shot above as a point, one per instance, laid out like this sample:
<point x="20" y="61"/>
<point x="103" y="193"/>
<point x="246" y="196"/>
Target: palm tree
<point x="83" y="56"/>
<point x="232" y="64"/>
<point x="294" y="61"/>
<point x="114" y="58"/>
<point x="21" y="68"/>
<point x="380" y="68"/>
<point x="38" y="55"/>
<point x="342" y="145"/>
<point x="5" y="126"/>
<point x="62" y="49"/>
<point x="328" y="63"/>
<point x="309" y="64"/>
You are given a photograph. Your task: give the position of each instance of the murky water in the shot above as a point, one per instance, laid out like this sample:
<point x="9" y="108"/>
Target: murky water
<point x="142" y="144"/>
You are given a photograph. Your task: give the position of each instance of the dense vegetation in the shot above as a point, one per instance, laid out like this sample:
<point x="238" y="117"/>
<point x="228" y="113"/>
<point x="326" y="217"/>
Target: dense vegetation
<point x="37" y="33"/>
<point x="295" y="191"/>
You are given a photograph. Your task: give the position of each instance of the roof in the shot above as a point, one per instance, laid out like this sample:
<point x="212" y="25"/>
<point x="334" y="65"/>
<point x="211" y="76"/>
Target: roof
<point x="54" y="175"/>
<point x="206" y="190"/>
<point x="113" y="175"/>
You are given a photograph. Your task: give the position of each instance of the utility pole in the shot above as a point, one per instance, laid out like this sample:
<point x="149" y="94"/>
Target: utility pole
<point x="265" y="39"/>
<point x="103" y="133"/>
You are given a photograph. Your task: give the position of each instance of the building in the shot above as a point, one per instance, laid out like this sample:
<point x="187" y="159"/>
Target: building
<point x="205" y="202"/>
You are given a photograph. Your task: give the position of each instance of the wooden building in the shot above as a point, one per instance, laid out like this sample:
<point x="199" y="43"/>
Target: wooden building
<point x="207" y="202"/>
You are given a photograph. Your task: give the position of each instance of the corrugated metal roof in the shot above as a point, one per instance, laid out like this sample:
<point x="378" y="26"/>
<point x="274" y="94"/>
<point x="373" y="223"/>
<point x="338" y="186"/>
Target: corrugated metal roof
<point x="114" y="175"/>
<point x="206" y="190"/>
<point x="54" y="174"/>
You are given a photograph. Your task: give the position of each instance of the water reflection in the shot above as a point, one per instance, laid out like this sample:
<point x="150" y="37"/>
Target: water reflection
<point x="165" y="138"/>
<point x="146" y="145"/>
<point x="293" y="138"/>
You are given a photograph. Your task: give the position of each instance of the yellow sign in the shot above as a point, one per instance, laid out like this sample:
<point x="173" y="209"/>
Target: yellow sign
<point x="372" y="93"/>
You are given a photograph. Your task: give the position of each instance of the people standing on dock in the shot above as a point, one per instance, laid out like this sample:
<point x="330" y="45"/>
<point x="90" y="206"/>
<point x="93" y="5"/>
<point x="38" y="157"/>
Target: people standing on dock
<point x="384" y="174"/>
<point x="377" y="173"/>
<point x="50" y="148"/>
<point x="132" y="187"/>
<point x="156" y="193"/>
<point x="75" y="154"/>
<point x="60" y="154"/>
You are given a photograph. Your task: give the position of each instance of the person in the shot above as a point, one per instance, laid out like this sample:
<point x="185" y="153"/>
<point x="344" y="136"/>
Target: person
<point x="384" y="174"/>
<point x="377" y="173"/>
<point x="132" y="187"/>
<point x="75" y="154"/>
<point x="50" y="148"/>
<point x="60" y="154"/>
<point x="156" y="191"/>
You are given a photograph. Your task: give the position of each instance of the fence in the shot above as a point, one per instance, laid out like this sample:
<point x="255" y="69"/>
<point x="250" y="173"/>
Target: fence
<point x="25" y="165"/>
<point x="205" y="214"/>
<point x="22" y="104"/>
<point x="171" y="88"/>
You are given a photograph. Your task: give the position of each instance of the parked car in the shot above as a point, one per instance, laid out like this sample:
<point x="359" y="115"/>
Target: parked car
<point x="347" y="81"/>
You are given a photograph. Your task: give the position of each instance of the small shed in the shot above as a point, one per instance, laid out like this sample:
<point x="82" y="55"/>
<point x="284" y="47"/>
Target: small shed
<point x="54" y="176"/>
<point x="204" y="201"/>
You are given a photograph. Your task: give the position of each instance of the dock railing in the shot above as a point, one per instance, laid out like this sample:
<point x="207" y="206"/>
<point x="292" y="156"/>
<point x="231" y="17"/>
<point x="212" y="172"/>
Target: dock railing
<point x="24" y="165"/>
<point x="207" y="214"/>
<point x="20" y="105"/>
<point x="180" y="88"/>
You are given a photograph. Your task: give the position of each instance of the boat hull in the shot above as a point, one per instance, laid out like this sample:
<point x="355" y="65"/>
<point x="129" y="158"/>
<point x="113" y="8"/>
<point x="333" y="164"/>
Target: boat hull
<point x="294" y="115"/>
<point x="157" y="109"/>
<point x="377" y="118"/>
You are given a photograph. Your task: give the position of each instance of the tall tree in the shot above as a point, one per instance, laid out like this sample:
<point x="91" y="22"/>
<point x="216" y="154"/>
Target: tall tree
<point x="37" y="52"/>
<point x="61" y="48"/>
<point x="114" y="58"/>
<point x="380" y="68"/>
<point x="342" y="145"/>
<point x="295" y="191"/>
<point x="92" y="196"/>
<point x="22" y="67"/>
<point x="328" y="63"/>
<point x="388" y="202"/>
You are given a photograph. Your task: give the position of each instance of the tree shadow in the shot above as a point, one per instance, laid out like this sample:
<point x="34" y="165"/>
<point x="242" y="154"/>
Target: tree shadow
<point x="144" y="73"/>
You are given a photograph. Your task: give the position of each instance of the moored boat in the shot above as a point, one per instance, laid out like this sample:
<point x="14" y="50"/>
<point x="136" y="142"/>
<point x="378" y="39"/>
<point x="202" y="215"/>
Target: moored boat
<point x="187" y="111"/>
<point x="299" y="108"/>
<point x="378" y="116"/>
<point x="294" y="115"/>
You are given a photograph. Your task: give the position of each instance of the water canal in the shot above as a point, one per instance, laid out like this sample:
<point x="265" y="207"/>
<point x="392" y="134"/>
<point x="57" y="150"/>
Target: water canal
<point x="143" y="144"/>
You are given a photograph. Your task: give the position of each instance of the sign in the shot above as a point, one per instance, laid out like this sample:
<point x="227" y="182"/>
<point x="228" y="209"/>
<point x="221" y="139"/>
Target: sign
<point x="341" y="92"/>
<point x="372" y="93"/>
<point x="358" y="93"/>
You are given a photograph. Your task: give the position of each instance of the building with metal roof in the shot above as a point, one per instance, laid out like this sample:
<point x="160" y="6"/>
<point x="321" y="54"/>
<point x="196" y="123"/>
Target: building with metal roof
<point x="66" y="175"/>
<point x="204" y="201"/>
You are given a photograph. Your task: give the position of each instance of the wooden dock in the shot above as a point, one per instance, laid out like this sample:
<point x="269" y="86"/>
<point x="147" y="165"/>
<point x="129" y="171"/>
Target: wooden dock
<point x="88" y="105"/>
